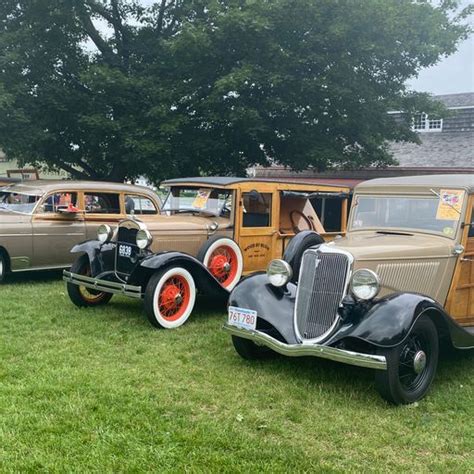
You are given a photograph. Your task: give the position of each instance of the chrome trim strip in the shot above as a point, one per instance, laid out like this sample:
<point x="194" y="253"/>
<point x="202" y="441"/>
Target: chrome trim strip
<point x="324" y="248"/>
<point x="369" y="361"/>
<point x="33" y="269"/>
<point x="16" y="235"/>
<point x="102" y="285"/>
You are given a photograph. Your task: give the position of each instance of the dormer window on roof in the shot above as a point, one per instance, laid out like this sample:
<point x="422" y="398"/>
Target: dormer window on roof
<point x="422" y="123"/>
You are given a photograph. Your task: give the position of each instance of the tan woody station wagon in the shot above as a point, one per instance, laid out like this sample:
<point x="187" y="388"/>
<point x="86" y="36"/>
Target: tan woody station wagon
<point x="41" y="220"/>
<point x="386" y="296"/>
<point x="210" y="233"/>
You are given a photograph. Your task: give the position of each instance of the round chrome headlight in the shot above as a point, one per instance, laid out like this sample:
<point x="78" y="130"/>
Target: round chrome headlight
<point x="104" y="233"/>
<point x="279" y="272"/>
<point x="144" y="239"/>
<point x="365" y="284"/>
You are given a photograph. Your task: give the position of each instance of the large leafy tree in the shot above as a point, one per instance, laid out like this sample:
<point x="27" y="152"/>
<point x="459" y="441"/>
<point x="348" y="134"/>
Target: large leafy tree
<point x="113" y="89"/>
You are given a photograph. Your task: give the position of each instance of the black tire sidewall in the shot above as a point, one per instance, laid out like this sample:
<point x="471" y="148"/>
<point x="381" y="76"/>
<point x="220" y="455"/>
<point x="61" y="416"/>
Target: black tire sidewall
<point x="3" y="261"/>
<point x="308" y="241"/>
<point x="249" y="350"/>
<point x="73" y="290"/>
<point x="388" y="382"/>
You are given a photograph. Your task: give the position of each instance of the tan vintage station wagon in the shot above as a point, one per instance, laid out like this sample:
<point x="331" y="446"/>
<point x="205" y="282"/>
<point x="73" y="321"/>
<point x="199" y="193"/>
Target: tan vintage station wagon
<point x="212" y="230"/>
<point x="41" y="220"/>
<point x="386" y="296"/>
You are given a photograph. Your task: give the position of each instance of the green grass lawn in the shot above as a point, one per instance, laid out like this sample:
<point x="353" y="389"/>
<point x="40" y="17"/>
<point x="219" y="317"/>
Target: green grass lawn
<point x="100" y="390"/>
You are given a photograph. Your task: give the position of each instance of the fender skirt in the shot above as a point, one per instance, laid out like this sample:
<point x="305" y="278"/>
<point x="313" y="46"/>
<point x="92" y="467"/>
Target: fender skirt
<point x="203" y="278"/>
<point x="384" y="324"/>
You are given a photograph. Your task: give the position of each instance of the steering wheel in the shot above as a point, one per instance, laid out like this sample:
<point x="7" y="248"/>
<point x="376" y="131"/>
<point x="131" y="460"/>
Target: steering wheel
<point x="296" y="229"/>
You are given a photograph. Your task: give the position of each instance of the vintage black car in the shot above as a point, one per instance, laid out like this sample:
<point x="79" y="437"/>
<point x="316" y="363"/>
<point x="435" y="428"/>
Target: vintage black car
<point x="212" y="230"/>
<point x="386" y="296"/>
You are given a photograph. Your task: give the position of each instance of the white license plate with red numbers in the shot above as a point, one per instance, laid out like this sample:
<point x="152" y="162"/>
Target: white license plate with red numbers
<point x="242" y="318"/>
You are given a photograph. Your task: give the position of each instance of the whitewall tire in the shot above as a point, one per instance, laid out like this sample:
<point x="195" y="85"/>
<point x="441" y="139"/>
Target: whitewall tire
<point x="223" y="258"/>
<point x="169" y="297"/>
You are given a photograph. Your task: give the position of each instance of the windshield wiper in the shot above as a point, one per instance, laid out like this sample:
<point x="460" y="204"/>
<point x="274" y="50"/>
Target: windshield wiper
<point x="392" y="232"/>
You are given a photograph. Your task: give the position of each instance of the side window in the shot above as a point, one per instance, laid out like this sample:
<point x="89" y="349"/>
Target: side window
<point x="329" y="211"/>
<point x="102" y="203"/>
<point x="140" y="205"/>
<point x="471" y="228"/>
<point x="57" y="202"/>
<point x="257" y="209"/>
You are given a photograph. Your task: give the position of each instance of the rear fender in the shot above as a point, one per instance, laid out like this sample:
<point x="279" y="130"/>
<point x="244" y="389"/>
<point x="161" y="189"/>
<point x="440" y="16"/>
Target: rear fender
<point x="205" y="282"/>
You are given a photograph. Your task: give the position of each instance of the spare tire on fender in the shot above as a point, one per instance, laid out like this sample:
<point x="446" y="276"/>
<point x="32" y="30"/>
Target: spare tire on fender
<point x="297" y="246"/>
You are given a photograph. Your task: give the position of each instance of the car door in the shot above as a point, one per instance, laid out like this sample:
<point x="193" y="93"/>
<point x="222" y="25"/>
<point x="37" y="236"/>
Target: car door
<point x="102" y="208"/>
<point x="257" y="227"/>
<point x="460" y="304"/>
<point x="57" y="226"/>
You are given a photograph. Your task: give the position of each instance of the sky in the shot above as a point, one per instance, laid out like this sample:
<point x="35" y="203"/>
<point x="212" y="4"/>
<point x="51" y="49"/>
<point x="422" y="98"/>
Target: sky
<point x="454" y="74"/>
<point x="451" y="75"/>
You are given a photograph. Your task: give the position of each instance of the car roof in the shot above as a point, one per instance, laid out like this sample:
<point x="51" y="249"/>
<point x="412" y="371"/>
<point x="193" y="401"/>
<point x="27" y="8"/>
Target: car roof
<point x="43" y="186"/>
<point x="224" y="181"/>
<point x="462" y="181"/>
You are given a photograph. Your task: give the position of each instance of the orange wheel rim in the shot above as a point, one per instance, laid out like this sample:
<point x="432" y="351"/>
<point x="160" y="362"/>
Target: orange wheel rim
<point x="174" y="298"/>
<point x="223" y="265"/>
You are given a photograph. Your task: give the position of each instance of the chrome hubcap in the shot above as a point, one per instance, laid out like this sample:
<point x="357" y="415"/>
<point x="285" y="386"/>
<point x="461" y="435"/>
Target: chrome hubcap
<point x="226" y="266"/>
<point x="178" y="298"/>
<point x="419" y="362"/>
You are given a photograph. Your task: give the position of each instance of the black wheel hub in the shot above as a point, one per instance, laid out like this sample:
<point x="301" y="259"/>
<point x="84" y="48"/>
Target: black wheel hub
<point x="413" y="362"/>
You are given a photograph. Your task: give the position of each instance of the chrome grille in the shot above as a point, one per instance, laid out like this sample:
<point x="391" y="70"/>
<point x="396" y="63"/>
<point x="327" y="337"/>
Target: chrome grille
<point x="321" y="287"/>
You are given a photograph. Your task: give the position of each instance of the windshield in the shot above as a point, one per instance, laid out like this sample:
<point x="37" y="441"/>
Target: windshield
<point x="210" y="201"/>
<point x="18" y="202"/>
<point x="424" y="214"/>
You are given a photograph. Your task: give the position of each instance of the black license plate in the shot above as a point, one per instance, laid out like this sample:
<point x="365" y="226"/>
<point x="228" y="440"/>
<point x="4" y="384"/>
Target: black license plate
<point x="125" y="251"/>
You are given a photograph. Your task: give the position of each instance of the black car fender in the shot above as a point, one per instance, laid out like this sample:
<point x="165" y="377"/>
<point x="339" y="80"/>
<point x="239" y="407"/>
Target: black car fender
<point x="384" y="323"/>
<point x="204" y="280"/>
<point x="389" y="321"/>
<point x="98" y="254"/>
<point x="274" y="306"/>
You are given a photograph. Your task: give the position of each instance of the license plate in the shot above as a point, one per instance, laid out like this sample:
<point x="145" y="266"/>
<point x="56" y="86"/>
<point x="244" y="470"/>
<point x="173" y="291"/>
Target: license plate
<point x="242" y="318"/>
<point x="125" y="251"/>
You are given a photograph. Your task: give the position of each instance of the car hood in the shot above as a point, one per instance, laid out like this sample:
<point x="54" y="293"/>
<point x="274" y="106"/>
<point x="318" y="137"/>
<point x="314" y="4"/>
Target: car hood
<point x="366" y="246"/>
<point x="182" y="223"/>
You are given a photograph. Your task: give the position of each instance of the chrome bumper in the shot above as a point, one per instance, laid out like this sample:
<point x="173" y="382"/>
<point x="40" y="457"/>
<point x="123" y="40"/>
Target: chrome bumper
<point x="316" y="350"/>
<point x="103" y="285"/>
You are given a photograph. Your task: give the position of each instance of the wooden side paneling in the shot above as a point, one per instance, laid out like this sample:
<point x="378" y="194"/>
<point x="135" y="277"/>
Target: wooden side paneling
<point x="460" y="302"/>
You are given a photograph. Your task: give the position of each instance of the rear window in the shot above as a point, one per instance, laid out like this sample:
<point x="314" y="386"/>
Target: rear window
<point x="102" y="203"/>
<point x="141" y="205"/>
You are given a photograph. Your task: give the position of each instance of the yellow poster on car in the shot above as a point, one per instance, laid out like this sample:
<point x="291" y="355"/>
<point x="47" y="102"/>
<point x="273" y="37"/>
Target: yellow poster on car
<point x="201" y="199"/>
<point x="450" y="204"/>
